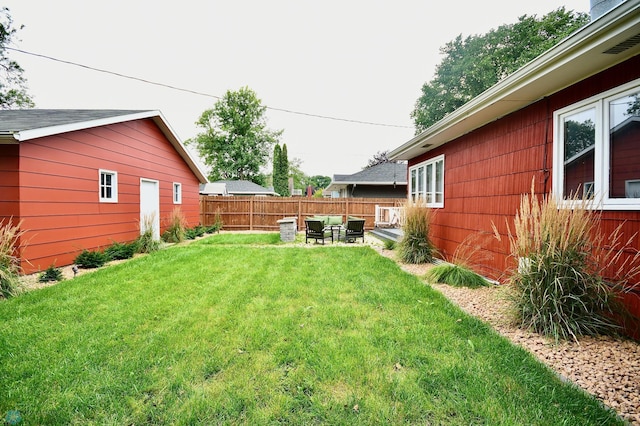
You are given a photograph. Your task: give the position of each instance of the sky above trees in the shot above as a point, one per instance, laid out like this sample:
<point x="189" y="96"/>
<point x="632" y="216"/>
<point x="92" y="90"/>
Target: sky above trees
<point x="359" y="61"/>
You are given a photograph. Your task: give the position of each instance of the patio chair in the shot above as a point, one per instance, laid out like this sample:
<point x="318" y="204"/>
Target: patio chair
<point x="315" y="230"/>
<point x="353" y="229"/>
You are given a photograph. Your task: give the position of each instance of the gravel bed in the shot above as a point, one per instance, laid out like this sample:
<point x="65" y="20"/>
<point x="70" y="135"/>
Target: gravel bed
<point x="606" y="367"/>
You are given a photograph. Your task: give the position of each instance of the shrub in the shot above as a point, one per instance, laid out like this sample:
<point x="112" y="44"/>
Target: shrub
<point x="416" y="246"/>
<point x="177" y="224"/>
<point x="119" y="251"/>
<point x="91" y="259"/>
<point x="9" y="262"/>
<point x="195" y="232"/>
<point x="558" y="288"/>
<point x="51" y="274"/>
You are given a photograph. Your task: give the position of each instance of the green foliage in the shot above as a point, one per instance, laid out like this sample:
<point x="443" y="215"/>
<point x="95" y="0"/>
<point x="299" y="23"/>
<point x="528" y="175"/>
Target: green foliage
<point x="9" y="263"/>
<point x="389" y="244"/>
<point x="319" y="182"/>
<point x="195" y="232"/>
<point x="51" y="274"/>
<point x="558" y="289"/>
<point x="91" y="259"/>
<point x="176" y="227"/>
<point x="146" y="242"/>
<point x="13" y="92"/>
<point x="235" y="141"/>
<point x="475" y="63"/>
<point x="119" y="251"/>
<point x="416" y="245"/>
<point x="455" y="275"/>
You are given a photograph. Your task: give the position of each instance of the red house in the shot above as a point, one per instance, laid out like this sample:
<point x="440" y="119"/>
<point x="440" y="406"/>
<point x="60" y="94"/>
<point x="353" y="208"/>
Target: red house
<point x="569" y="119"/>
<point x="84" y="179"/>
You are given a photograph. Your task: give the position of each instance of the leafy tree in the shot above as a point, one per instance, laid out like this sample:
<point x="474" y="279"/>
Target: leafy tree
<point x="380" y="157"/>
<point x="319" y="181"/>
<point x="475" y="63"/>
<point x="235" y="141"/>
<point x="13" y="92"/>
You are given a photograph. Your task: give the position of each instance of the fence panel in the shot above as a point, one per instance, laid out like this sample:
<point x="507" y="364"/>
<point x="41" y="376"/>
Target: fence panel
<point x="263" y="213"/>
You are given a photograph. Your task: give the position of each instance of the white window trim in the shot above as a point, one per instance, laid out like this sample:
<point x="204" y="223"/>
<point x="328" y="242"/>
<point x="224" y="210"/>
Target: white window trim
<point x="114" y="186"/>
<point x="177" y="199"/>
<point x="601" y="198"/>
<point x="422" y="196"/>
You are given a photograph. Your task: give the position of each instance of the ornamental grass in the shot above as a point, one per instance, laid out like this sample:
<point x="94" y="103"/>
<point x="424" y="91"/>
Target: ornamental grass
<point x="416" y="245"/>
<point x="559" y="288"/>
<point x="9" y="263"/>
<point x="459" y="271"/>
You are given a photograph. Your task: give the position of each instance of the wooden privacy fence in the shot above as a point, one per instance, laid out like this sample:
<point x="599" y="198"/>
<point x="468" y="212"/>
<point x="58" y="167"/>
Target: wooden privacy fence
<point x="262" y="213"/>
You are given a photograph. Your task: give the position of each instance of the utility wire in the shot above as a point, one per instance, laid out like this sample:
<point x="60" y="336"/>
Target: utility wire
<point x="195" y="92"/>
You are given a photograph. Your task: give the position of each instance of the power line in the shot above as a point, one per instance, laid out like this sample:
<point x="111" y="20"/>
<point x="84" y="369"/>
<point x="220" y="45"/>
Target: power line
<point x="195" y="92"/>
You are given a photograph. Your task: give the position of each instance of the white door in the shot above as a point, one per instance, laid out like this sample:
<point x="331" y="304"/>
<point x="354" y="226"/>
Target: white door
<point x="150" y="207"/>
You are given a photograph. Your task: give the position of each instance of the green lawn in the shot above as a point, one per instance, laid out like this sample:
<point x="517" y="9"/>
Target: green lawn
<point x="216" y="332"/>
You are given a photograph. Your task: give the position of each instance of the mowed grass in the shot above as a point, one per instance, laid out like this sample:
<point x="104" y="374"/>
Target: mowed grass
<point x="221" y="333"/>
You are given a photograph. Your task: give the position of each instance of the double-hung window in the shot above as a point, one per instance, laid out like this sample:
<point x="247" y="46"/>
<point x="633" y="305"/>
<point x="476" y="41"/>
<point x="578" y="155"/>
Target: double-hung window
<point x="108" y="186"/>
<point x="177" y="193"/>
<point x="597" y="149"/>
<point x="426" y="181"/>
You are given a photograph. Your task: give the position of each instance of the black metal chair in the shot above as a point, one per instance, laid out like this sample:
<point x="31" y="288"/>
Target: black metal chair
<point x="315" y="230"/>
<point x="353" y="229"/>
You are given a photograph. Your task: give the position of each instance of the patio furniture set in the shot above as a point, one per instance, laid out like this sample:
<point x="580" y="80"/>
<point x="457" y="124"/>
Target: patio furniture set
<point x="319" y="228"/>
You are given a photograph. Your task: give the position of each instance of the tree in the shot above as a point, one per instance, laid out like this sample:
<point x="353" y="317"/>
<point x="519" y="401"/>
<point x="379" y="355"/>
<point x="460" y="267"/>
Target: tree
<point x="280" y="172"/>
<point x="380" y="157"/>
<point x="13" y="92"/>
<point x="235" y="142"/>
<point x="319" y="181"/>
<point x="474" y="64"/>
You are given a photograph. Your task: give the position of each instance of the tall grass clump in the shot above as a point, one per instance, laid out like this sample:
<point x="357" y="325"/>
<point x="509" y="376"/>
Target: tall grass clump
<point x="458" y="271"/>
<point x="176" y="227"/>
<point x="416" y="245"/>
<point x="146" y="242"/>
<point x="9" y="262"/>
<point x="559" y="287"/>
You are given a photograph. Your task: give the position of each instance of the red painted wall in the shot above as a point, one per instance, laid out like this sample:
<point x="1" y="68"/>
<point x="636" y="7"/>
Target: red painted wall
<point x="487" y="170"/>
<point x="59" y="201"/>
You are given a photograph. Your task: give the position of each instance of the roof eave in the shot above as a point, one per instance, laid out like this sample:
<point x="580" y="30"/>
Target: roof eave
<point x="573" y="59"/>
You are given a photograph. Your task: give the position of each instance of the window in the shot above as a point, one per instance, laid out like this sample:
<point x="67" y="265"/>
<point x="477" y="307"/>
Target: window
<point x="597" y="149"/>
<point x="427" y="182"/>
<point x="177" y="193"/>
<point x="108" y="186"/>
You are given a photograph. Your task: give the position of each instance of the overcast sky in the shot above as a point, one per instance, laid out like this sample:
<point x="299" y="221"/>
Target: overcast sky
<point x="356" y="60"/>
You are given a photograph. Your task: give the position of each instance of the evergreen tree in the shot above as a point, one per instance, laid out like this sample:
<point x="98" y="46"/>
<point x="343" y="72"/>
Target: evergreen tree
<point x="284" y="170"/>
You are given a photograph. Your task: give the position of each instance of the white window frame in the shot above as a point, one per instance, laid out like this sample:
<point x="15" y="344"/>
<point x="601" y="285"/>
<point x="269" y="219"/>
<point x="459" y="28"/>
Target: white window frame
<point x="600" y="185"/>
<point x="114" y="186"/>
<point x="417" y="195"/>
<point x="177" y="192"/>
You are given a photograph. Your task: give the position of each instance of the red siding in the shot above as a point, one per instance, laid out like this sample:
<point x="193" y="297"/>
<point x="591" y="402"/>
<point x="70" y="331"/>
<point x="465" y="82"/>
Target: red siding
<point x="487" y="170"/>
<point x="59" y="188"/>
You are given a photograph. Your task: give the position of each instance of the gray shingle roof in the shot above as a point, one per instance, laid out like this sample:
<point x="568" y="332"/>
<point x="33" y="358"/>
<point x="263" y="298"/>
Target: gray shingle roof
<point x="379" y="174"/>
<point x="241" y="187"/>
<point x="17" y="120"/>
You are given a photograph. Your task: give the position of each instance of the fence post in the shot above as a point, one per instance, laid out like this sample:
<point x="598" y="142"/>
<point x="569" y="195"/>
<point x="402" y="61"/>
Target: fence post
<point x="251" y="214"/>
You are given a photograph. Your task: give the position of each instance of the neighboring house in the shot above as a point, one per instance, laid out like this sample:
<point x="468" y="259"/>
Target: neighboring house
<point x="569" y="119"/>
<point x="386" y="180"/>
<point x="236" y="188"/>
<point x="84" y="179"/>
